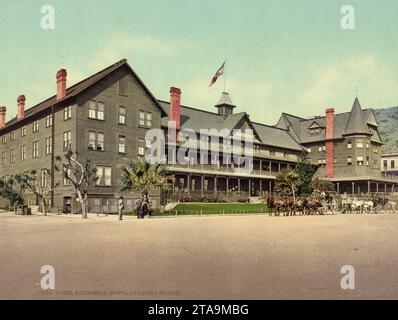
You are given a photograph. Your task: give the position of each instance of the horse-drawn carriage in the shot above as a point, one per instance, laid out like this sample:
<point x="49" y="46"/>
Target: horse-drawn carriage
<point x="329" y="203"/>
<point x="374" y="203"/>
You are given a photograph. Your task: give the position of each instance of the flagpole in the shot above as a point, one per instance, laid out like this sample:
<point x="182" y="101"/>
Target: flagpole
<point x="225" y="73"/>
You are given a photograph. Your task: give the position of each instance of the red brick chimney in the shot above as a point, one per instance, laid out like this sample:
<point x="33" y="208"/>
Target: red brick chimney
<point x="61" y="84"/>
<point x="175" y="107"/>
<point x="21" y="106"/>
<point x="329" y="171"/>
<point x="2" y="117"/>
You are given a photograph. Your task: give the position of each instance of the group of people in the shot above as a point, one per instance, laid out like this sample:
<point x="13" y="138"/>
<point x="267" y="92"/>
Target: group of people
<point x="142" y="207"/>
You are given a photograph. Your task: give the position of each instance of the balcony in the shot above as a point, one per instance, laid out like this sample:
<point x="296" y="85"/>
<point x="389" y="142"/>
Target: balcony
<point x="221" y="170"/>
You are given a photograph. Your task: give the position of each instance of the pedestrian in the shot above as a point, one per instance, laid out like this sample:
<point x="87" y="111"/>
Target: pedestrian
<point x="138" y="203"/>
<point x="120" y="208"/>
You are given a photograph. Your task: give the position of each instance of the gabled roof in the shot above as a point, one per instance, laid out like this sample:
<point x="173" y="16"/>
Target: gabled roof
<point x="300" y="128"/>
<point x="196" y="119"/>
<point x="314" y="125"/>
<point x="356" y="123"/>
<point x="79" y="87"/>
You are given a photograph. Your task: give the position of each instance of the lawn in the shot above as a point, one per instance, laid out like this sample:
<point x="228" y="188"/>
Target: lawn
<point x="216" y="208"/>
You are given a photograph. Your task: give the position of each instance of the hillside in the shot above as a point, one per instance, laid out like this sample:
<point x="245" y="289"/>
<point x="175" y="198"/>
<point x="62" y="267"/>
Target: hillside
<point x="388" y="127"/>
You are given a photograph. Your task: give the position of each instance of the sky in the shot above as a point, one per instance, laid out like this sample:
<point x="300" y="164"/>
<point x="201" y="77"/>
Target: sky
<point x="282" y="55"/>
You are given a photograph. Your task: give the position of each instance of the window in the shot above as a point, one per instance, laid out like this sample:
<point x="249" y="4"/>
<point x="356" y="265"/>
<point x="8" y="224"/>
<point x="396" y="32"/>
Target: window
<point x="375" y="164"/>
<point x="375" y="149"/>
<point x="4" y="139"/>
<point x="122" y="144"/>
<point x="23" y="152"/>
<point x="12" y="136"/>
<point x="49" y="120"/>
<point x="12" y="155"/>
<point x="96" y="141"/>
<point x="68" y="113"/>
<point x="92" y="140"/>
<point x="96" y="110"/>
<point x="392" y="163"/>
<point x="100" y="141"/>
<point x="49" y="145"/>
<point x="123" y="87"/>
<point x="319" y="161"/>
<point x="323" y="161"/>
<point x="367" y="160"/>
<point x="336" y="160"/>
<point x="100" y="111"/>
<point x="367" y="144"/>
<point x="309" y="150"/>
<point x="145" y="119"/>
<point x="4" y="157"/>
<point x="43" y="181"/>
<point x="323" y="148"/>
<point x="65" y="181"/>
<point x="104" y="176"/>
<point x="67" y="140"/>
<point x="148" y="144"/>
<point x="35" y="149"/>
<point x="359" y="143"/>
<point x="23" y="131"/>
<point x="108" y="176"/>
<point x="92" y="107"/>
<point x="141" y="147"/>
<point x="349" y="161"/>
<point x="36" y="126"/>
<point x="360" y="161"/>
<point x="385" y="164"/>
<point x="349" y="144"/>
<point x="122" y="115"/>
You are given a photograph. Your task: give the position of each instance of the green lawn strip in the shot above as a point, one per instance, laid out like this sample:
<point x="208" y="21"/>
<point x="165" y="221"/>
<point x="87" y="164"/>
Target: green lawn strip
<point x="215" y="208"/>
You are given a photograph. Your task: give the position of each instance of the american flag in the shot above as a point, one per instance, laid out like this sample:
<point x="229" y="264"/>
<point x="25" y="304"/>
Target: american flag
<point x="219" y="73"/>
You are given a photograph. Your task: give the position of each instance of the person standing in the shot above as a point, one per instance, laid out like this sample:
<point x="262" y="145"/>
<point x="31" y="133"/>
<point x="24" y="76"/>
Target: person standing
<point x="120" y="207"/>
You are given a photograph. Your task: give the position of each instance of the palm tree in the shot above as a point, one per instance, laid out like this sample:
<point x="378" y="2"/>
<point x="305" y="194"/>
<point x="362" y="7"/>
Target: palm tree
<point x="140" y="176"/>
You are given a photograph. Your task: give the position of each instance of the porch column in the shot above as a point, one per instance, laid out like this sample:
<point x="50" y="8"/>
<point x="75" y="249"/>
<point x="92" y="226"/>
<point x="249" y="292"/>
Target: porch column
<point x="250" y="187"/>
<point x="174" y="184"/>
<point x="385" y="187"/>
<point x="227" y="181"/>
<point x="377" y="187"/>
<point x="261" y="187"/>
<point x="269" y="186"/>
<point x="270" y="167"/>
<point x="261" y="167"/>
<point x="392" y="188"/>
<point x="279" y="167"/>
<point x="202" y="184"/>
<point x="215" y="184"/>
<point x="368" y="186"/>
<point x="353" y="187"/>
<point x="239" y="185"/>
<point x="189" y="183"/>
<point x="338" y="187"/>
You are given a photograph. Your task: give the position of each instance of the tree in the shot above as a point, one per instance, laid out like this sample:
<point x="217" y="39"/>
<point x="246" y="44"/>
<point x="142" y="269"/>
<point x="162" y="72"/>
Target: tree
<point x="40" y="189"/>
<point x="305" y="172"/>
<point x="320" y="186"/>
<point x="81" y="174"/>
<point x="140" y="176"/>
<point x="286" y="183"/>
<point x="11" y="191"/>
